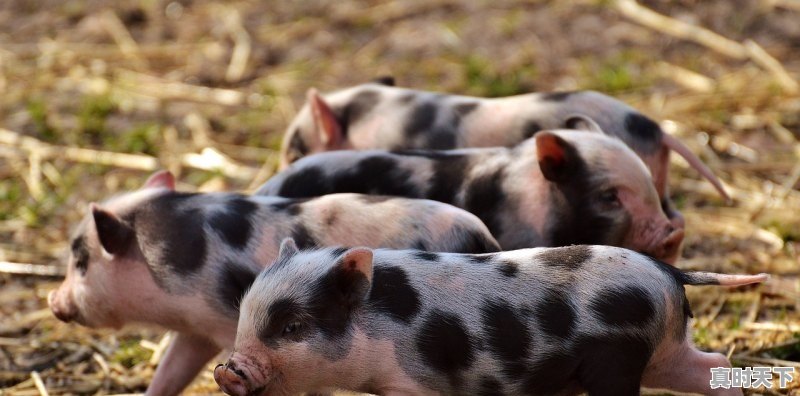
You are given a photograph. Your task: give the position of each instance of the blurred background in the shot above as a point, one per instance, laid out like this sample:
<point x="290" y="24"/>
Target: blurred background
<point x="96" y="95"/>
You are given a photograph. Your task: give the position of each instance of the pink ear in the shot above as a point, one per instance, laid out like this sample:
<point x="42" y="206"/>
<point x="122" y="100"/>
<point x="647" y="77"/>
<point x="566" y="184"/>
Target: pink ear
<point x="556" y="156"/>
<point x="160" y="179"/>
<point x="325" y="121"/>
<point x="358" y="260"/>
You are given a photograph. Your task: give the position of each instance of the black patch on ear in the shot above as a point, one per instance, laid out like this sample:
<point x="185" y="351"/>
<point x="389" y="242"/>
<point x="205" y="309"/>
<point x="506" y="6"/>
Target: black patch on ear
<point x="556" y="96"/>
<point x="280" y="313"/>
<point x="171" y="233"/>
<point x="80" y="253"/>
<point x="232" y="283"/>
<point x="490" y="386"/>
<point x="115" y="235"/>
<point x="355" y="110"/>
<point x="475" y="241"/>
<point x="393" y="295"/>
<point x="530" y="128"/>
<point x="484" y="197"/>
<point x="384" y="80"/>
<point x="555" y="315"/>
<point x="335" y="296"/>
<point x="508" y="268"/>
<point x="463" y="109"/>
<point x="233" y="224"/>
<point x="304" y="182"/>
<point x="507" y="337"/>
<point x="565" y="170"/>
<point x="625" y="306"/>
<point x="449" y="172"/>
<point x="303" y="238"/>
<point x="427" y="256"/>
<point x="445" y="345"/>
<point x="568" y="257"/>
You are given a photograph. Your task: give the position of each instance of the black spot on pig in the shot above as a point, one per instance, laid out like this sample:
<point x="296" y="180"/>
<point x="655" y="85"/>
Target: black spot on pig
<point x="507" y="337"/>
<point x="645" y="134"/>
<point x="303" y="238"/>
<point x="556" y="96"/>
<point x="485" y="197"/>
<point x="449" y="172"/>
<point x="384" y="80"/>
<point x="508" y="268"/>
<point x="232" y="284"/>
<point x="613" y="365"/>
<point x="626" y="306"/>
<point x="464" y="109"/>
<point x="552" y="373"/>
<point x="279" y="314"/>
<point x="338" y="251"/>
<point x="393" y="295"/>
<point x="421" y="119"/>
<point x="427" y="256"/>
<point x="445" y="345"/>
<point x="530" y="128"/>
<point x="233" y="224"/>
<point x="377" y="174"/>
<point x="489" y="386"/>
<point x="80" y="253"/>
<point x="304" y="183"/>
<point x="171" y="233"/>
<point x="442" y="138"/>
<point x="334" y="297"/>
<point x="360" y="105"/>
<point x="568" y="257"/>
<point x="555" y="315"/>
<point x="290" y="207"/>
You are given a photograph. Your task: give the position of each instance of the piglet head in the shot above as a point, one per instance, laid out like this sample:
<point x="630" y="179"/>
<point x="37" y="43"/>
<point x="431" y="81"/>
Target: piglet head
<point x="604" y="194"/>
<point x="316" y="128"/>
<point x="103" y="259"/>
<point x="300" y="305"/>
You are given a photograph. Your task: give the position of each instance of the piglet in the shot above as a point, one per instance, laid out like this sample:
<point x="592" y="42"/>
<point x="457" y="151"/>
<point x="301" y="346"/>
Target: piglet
<point x="380" y="116"/>
<point x="557" y="188"/>
<point x="182" y="261"/>
<point x="596" y="319"/>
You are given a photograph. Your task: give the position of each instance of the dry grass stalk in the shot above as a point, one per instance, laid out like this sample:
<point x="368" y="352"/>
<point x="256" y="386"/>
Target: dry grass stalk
<point x="146" y="85"/>
<point x="123" y="38"/>
<point x="687" y="78"/>
<point x="30" y="269"/>
<point x="241" y="48"/>
<point x="37" y="379"/>
<point x="765" y="60"/>
<point x="679" y="29"/>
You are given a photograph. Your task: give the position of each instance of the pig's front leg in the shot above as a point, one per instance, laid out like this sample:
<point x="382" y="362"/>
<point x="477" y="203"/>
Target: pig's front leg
<point x="185" y="357"/>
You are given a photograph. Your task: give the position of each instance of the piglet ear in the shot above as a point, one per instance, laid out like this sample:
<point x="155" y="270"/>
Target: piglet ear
<point x="328" y="126"/>
<point x="352" y="275"/>
<point x="288" y="248"/>
<point x="160" y="179"/>
<point x="115" y="236"/>
<point x="582" y="123"/>
<point x="558" y="159"/>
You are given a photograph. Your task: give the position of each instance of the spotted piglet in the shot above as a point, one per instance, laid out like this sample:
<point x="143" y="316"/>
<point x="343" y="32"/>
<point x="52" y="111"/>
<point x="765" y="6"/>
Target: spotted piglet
<point x="599" y="319"/>
<point x="183" y="261"/>
<point x="555" y="189"/>
<point x="379" y="116"/>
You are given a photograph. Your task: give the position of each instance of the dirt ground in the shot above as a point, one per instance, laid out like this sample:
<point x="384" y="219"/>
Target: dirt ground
<point x="205" y="89"/>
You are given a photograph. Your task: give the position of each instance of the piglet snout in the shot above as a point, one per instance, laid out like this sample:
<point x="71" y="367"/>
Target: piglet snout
<point x="230" y="380"/>
<point x="64" y="312"/>
<point x="670" y="247"/>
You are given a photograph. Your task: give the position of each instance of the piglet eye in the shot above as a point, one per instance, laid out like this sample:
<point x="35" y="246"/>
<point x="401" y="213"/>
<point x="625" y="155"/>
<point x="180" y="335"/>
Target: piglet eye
<point x="609" y="197"/>
<point x="291" y="328"/>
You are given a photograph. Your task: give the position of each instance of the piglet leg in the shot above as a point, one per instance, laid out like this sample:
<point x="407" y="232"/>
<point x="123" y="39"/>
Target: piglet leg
<point x="186" y="355"/>
<point x="688" y="370"/>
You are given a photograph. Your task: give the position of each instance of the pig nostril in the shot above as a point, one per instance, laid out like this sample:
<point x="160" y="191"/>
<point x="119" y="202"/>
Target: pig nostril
<point x="238" y="372"/>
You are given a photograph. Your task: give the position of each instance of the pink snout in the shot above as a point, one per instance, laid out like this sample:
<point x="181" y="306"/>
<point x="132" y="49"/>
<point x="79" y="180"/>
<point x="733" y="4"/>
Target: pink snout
<point x="237" y="381"/>
<point x="669" y="249"/>
<point x="62" y="310"/>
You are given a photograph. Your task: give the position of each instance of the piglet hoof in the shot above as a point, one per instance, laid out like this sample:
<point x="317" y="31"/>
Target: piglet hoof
<point x="231" y="382"/>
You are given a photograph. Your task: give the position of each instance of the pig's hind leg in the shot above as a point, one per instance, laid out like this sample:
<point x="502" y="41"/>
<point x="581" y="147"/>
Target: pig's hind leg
<point x="185" y="357"/>
<point x="681" y="367"/>
<point x="613" y="367"/>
